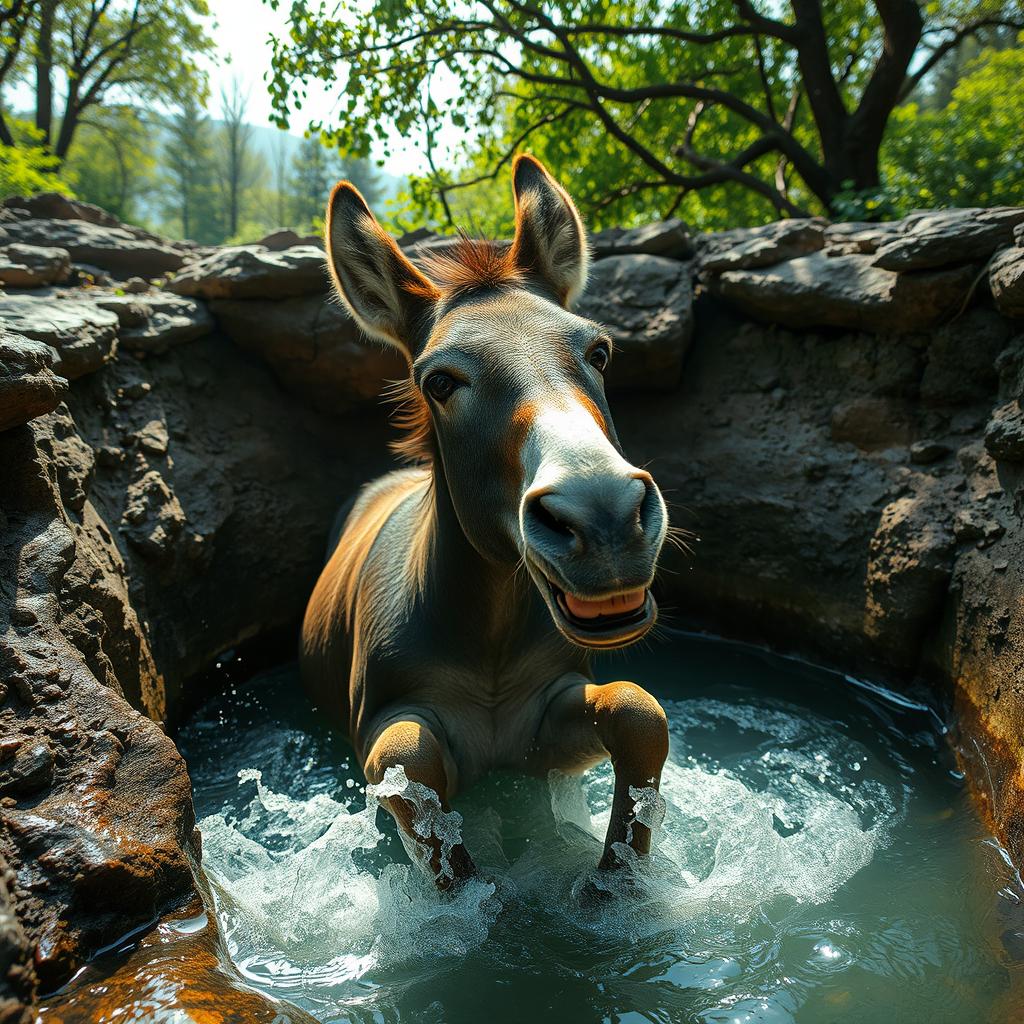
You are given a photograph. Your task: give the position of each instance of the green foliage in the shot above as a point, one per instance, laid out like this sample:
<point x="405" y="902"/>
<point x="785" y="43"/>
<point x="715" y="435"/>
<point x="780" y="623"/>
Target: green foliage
<point x="192" y="194"/>
<point x="113" y="162"/>
<point x="28" y="168"/>
<point x="719" y="127"/>
<point x="971" y="152"/>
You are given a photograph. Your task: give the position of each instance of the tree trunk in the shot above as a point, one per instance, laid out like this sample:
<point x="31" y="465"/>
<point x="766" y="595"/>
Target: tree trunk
<point x="44" y="71"/>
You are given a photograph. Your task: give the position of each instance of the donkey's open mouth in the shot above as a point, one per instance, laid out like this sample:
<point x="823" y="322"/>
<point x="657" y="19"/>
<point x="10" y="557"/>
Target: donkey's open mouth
<point x="613" y="620"/>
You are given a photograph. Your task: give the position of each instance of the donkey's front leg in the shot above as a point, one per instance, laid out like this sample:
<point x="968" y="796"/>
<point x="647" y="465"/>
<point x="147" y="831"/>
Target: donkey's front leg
<point x="586" y="721"/>
<point x="412" y="744"/>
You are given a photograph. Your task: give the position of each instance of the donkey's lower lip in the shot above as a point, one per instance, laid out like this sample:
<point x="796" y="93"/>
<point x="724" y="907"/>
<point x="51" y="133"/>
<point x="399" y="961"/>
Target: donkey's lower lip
<point x="609" y="628"/>
<point x="608" y="607"/>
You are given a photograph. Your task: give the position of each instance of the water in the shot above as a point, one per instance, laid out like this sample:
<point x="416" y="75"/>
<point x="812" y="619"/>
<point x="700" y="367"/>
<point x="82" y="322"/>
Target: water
<point x="819" y="862"/>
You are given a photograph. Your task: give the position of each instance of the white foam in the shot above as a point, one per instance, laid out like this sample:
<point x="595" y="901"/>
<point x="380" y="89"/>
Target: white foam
<point x="310" y="901"/>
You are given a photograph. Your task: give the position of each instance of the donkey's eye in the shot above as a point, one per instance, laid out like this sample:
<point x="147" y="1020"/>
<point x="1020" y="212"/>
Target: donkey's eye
<point x="599" y="357"/>
<point x="440" y="386"/>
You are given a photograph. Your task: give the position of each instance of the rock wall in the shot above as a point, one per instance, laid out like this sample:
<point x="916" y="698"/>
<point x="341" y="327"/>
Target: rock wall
<point x="833" y="410"/>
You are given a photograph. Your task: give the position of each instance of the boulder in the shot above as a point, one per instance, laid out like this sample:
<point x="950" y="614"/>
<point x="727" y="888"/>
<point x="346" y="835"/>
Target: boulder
<point x="761" y="246"/>
<point x="859" y="236"/>
<point x="646" y="302"/>
<point x="313" y="347"/>
<point x="1006" y="279"/>
<point x="668" y="238"/>
<point x="122" y="252"/>
<point x="28" y="385"/>
<point x="54" y="206"/>
<point x="252" y="272"/>
<point x="286" y="238"/>
<point x="845" y="291"/>
<point x="33" y="266"/>
<point x="157" y="320"/>
<point x="83" y="335"/>
<point x="1004" y="435"/>
<point x="945" y="237"/>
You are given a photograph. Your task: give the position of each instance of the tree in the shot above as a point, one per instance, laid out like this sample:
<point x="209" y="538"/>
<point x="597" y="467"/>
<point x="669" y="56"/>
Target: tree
<point x="788" y="102"/>
<point x="112" y="163"/>
<point x="189" y="160"/>
<point x="314" y="172"/>
<point x="140" y="50"/>
<point x="238" y="160"/>
<point x="279" y="162"/>
<point x="969" y="153"/>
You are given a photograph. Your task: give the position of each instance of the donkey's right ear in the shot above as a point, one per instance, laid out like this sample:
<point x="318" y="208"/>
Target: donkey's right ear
<point x="385" y="293"/>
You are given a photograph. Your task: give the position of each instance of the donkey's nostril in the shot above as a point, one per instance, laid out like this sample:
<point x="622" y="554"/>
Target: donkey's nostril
<point x="543" y="512"/>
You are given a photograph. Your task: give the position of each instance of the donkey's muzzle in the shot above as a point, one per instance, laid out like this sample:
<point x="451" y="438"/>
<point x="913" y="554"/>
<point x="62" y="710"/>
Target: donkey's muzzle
<point x="592" y="544"/>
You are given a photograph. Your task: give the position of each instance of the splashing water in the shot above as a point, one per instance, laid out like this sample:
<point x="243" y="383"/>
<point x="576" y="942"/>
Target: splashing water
<point x="807" y="866"/>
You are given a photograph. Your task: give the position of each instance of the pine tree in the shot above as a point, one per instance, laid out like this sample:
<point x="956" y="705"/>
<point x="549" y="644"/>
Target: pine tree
<point x="189" y="158"/>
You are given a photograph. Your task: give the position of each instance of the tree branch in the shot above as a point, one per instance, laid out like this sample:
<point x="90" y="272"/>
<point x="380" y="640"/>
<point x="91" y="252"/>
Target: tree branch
<point x="911" y="82"/>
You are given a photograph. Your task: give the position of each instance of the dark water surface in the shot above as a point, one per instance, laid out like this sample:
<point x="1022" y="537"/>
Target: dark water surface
<point x="819" y="863"/>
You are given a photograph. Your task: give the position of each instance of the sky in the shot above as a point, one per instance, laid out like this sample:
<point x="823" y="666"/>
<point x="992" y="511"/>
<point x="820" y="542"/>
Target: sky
<point x="242" y="38"/>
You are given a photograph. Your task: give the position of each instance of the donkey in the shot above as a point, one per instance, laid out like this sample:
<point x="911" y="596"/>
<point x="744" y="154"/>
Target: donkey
<point x="424" y="637"/>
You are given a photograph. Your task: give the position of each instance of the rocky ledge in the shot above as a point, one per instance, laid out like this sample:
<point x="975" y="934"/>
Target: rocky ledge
<point x="836" y="408"/>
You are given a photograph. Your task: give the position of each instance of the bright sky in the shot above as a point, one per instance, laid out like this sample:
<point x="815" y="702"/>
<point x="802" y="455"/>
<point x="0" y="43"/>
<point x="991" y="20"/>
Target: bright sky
<point x="242" y="37"/>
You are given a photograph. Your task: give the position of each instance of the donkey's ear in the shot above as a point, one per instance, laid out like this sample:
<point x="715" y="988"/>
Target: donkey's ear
<point x="385" y="293"/>
<point x="550" y="241"/>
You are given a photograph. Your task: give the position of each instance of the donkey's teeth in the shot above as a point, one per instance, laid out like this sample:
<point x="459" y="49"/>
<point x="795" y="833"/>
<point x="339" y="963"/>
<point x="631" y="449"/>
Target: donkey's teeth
<point x="618" y="605"/>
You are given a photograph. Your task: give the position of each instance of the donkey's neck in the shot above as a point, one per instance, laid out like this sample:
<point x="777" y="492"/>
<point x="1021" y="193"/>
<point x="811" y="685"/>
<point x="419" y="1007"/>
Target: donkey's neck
<point x="491" y="596"/>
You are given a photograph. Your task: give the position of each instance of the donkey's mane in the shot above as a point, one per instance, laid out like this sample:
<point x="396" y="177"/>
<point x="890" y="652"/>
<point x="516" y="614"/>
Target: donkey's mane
<point x="473" y="263"/>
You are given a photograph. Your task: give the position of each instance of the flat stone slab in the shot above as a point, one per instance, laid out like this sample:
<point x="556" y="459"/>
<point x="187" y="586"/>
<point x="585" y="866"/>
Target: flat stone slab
<point x="845" y="291"/>
<point x="156" y="321"/>
<point x="763" y="246"/>
<point x="313" y="347"/>
<point x="118" y="250"/>
<point x="646" y="302"/>
<point x="28" y="385"/>
<point x="668" y="238"/>
<point x="33" y="266"/>
<point x="1006" y="279"/>
<point x="946" y="237"/>
<point x="253" y="272"/>
<point x="83" y="335"/>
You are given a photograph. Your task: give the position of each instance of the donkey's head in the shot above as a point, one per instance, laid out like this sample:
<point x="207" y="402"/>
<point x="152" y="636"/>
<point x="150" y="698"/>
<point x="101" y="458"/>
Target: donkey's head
<point x="507" y="388"/>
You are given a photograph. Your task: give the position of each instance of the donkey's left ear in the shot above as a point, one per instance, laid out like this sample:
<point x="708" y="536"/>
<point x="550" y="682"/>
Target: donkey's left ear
<point x="384" y="292"/>
<point x="550" y="241"/>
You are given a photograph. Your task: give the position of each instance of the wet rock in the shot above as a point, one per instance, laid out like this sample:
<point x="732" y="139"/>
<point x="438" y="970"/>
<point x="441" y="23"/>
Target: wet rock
<point x="158" y="320"/>
<point x="28" y="385"/>
<point x="17" y="977"/>
<point x="313" y="347"/>
<point x="945" y="237"/>
<point x="26" y="765"/>
<point x="33" y="266"/>
<point x="1006" y="279"/>
<point x="845" y="291"/>
<point x="114" y="249"/>
<point x="668" y="238"/>
<point x="83" y="335"/>
<point x="761" y="246"/>
<point x="135" y="286"/>
<point x="1004" y="435"/>
<point x="646" y="302"/>
<point x="251" y="272"/>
